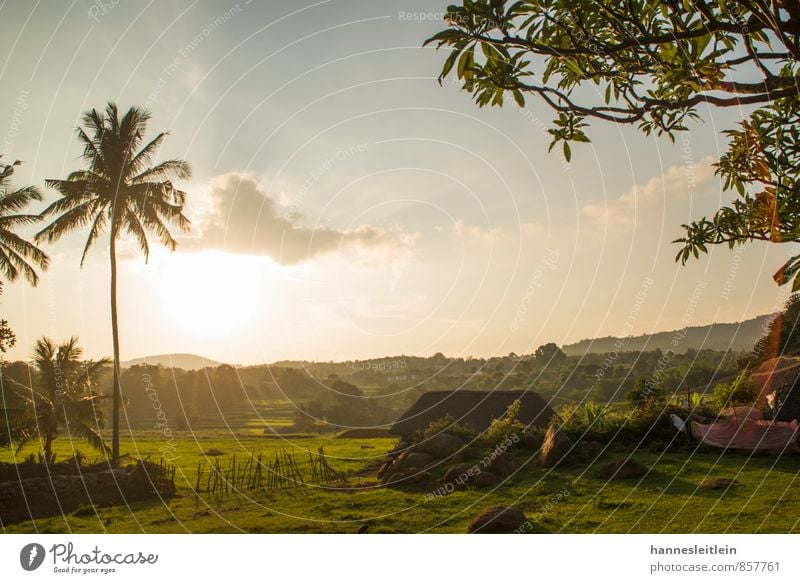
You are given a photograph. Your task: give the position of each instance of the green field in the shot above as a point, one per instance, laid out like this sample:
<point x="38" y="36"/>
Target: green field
<point x="667" y="500"/>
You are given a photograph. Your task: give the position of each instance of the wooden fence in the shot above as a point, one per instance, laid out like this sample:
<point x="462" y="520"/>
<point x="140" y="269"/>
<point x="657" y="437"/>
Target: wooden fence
<point x="253" y="473"/>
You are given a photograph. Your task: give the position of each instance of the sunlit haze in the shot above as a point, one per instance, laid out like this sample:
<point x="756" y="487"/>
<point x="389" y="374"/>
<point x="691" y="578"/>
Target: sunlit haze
<point x="345" y="205"/>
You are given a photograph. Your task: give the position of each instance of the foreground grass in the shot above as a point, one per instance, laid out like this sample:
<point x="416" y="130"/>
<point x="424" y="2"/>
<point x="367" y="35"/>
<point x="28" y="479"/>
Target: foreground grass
<point x="571" y="500"/>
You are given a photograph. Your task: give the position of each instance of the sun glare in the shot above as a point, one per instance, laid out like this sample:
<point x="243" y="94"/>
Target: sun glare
<point x="211" y="292"/>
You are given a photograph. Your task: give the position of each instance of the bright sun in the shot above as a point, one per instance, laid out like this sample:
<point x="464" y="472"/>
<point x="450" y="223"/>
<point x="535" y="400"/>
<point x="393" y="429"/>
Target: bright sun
<point x="211" y="292"/>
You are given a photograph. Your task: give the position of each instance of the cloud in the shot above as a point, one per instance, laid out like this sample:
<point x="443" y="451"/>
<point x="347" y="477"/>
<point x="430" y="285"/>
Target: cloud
<point x="243" y="218"/>
<point x="463" y="230"/>
<point x="533" y="228"/>
<point x="678" y="181"/>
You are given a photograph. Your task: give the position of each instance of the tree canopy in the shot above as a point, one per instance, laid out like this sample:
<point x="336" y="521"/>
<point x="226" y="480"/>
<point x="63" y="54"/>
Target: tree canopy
<point x="654" y="65"/>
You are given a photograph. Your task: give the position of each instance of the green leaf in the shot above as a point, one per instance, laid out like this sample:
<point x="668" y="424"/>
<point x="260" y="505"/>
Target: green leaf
<point x="567" y="151"/>
<point x="448" y="65"/>
<point x="466" y="62"/>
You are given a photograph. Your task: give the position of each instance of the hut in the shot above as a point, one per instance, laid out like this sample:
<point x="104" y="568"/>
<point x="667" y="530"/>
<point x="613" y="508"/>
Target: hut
<point x="473" y="409"/>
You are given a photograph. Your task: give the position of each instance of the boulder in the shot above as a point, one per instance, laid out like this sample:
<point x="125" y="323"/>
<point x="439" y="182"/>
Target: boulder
<point x="485" y="479"/>
<point x="498" y="520"/>
<point x="403" y="477"/>
<point x="441" y="445"/>
<point x="383" y="469"/>
<point x="718" y="483"/>
<point x="501" y="465"/>
<point x="457" y="472"/>
<point x="416" y="459"/>
<point x="623" y="469"/>
<point x="555" y="448"/>
<point x="532" y="440"/>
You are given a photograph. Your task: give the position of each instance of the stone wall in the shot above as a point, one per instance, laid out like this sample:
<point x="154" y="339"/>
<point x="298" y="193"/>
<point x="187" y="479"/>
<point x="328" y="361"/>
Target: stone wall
<point x="56" y="494"/>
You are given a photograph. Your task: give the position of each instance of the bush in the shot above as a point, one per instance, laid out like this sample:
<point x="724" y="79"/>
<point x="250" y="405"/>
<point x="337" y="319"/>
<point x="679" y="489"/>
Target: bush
<point x="742" y="390"/>
<point x="447" y="424"/>
<point x="503" y="429"/>
<point x="648" y="423"/>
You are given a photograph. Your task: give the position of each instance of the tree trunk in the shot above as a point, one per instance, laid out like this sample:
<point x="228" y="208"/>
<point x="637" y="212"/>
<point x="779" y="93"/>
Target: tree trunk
<point x="48" y="446"/>
<point x="116" y="395"/>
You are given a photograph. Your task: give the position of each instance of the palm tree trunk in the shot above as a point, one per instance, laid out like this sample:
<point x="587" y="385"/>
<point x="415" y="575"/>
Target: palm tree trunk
<point x="48" y="447"/>
<point x="116" y="394"/>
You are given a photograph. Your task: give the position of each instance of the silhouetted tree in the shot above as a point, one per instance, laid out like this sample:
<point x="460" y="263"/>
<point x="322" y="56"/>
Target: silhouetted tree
<point x="17" y="255"/>
<point x="549" y="352"/>
<point x="63" y="395"/>
<point x="121" y="192"/>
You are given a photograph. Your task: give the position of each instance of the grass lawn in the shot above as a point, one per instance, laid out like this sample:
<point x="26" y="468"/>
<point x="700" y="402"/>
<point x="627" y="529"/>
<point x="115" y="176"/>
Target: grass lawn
<point x="573" y="500"/>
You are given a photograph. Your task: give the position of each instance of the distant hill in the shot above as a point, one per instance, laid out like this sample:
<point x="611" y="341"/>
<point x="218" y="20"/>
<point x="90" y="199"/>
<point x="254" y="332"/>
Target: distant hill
<point x="184" y="361"/>
<point x="736" y="336"/>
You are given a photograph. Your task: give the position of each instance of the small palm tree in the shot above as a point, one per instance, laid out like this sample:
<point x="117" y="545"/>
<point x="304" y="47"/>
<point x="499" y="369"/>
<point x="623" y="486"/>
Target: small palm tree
<point x="18" y="256"/>
<point x="63" y="396"/>
<point x="119" y="191"/>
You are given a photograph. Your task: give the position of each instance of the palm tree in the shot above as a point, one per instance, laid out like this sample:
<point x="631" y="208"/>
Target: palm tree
<point x="119" y="191"/>
<point x="18" y="256"/>
<point x="62" y="397"/>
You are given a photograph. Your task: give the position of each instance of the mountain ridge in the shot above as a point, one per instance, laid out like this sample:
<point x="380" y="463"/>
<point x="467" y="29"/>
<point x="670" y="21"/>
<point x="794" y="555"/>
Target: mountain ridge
<point x="735" y="336"/>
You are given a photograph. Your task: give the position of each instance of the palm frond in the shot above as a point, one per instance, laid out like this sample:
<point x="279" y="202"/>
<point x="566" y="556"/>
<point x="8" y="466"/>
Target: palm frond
<point x="13" y="202"/>
<point x="166" y="170"/>
<point x="68" y="221"/>
<point x="19" y="220"/>
<point x="91" y="152"/>
<point x="12" y="265"/>
<point x="144" y="156"/>
<point x="90" y="434"/>
<point x="69" y="200"/>
<point x="98" y="226"/>
<point x="24" y="248"/>
<point x="134" y="227"/>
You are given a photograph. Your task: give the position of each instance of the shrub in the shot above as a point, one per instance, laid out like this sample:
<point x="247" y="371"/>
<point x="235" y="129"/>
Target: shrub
<point x="648" y="423"/>
<point x="742" y="390"/>
<point x="447" y="424"/>
<point x="506" y="427"/>
<point x="595" y="414"/>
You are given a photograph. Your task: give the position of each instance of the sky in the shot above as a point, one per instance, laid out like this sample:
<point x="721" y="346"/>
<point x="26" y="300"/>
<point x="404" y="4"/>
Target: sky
<point x="344" y="205"/>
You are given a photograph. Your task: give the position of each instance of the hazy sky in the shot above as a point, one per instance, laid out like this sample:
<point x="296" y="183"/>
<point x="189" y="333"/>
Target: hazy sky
<point x="344" y="205"/>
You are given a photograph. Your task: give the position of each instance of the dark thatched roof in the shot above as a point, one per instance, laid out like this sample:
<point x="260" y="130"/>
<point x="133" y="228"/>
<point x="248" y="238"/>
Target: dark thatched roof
<point x="474" y="409"/>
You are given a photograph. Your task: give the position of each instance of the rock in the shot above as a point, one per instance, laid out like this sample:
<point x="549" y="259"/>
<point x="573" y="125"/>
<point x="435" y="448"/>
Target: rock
<point x="397" y="462"/>
<point x="441" y="445"/>
<point x="555" y="448"/>
<point x="404" y="477"/>
<point x="457" y="472"/>
<point x="623" y="469"/>
<point x="531" y="440"/>
<point x="416" y="459"/>
<point x="501" y="465"/>
<point x="213" y="452"/>
<point x="718" y="483"/>
<point x="595" y="447"/>
<point x="383" y="469"/>
<point x="498" y="520"/>
<point x="485" y="479"/>
<point x="587" y="451"/>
